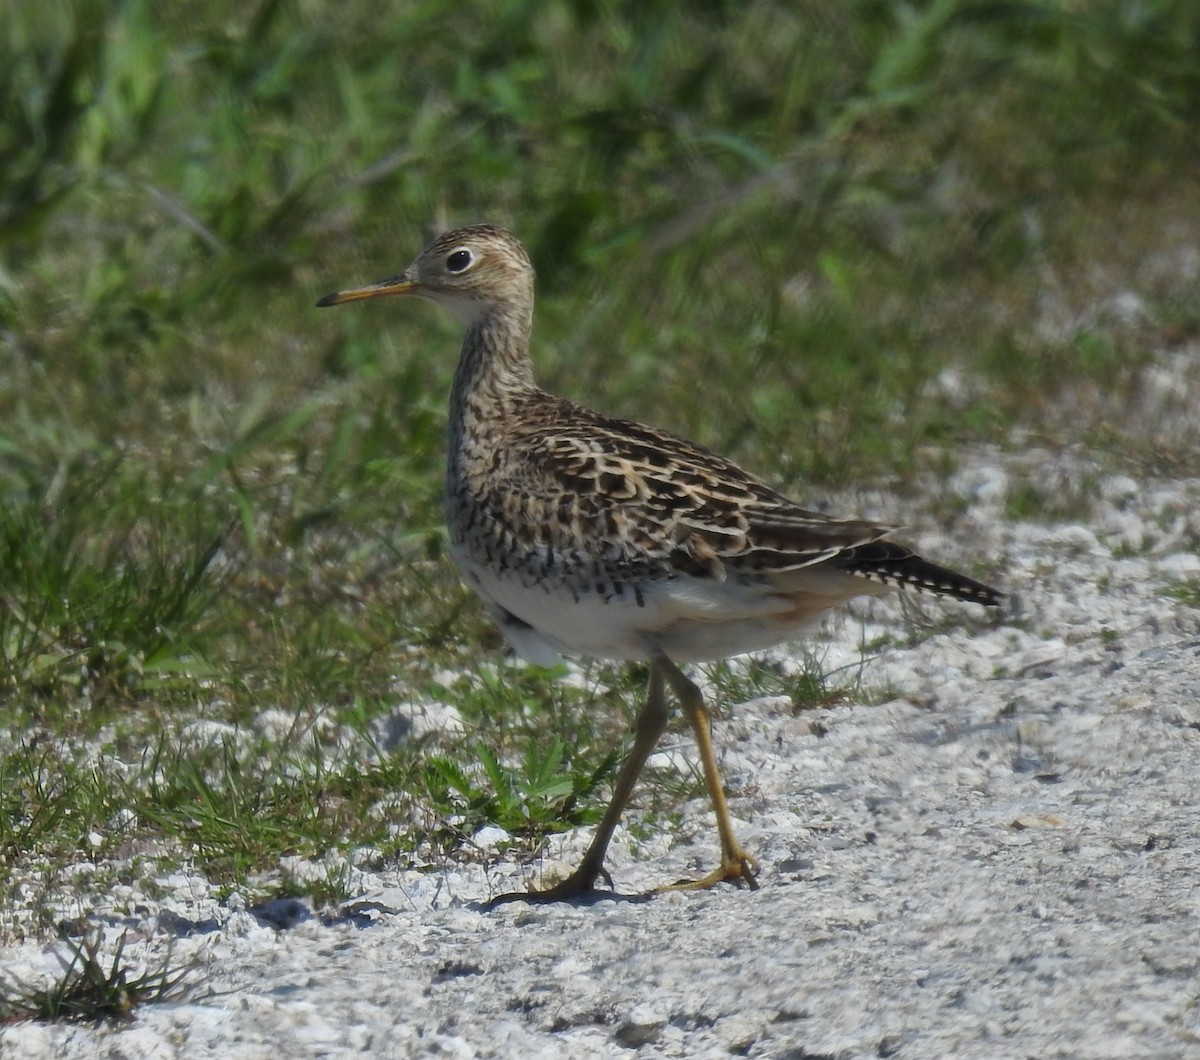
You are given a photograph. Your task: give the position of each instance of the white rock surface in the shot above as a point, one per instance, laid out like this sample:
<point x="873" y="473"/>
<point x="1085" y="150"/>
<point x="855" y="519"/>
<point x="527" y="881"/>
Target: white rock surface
<point x="995" y="856"/>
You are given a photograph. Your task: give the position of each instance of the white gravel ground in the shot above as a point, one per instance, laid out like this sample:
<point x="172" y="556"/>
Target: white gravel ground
<point x="996" y="859"/>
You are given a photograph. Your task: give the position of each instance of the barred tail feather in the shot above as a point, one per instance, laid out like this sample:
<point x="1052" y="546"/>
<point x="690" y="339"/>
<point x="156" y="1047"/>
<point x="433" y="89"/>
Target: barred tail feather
<point x="891" y="564"/>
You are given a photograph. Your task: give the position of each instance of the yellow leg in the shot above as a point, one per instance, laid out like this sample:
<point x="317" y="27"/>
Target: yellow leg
<point x="651" y="723"/>
<point x="735" y="862"/>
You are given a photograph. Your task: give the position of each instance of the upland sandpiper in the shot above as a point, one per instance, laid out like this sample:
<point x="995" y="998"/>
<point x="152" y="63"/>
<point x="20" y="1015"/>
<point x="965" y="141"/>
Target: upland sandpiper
<point x="593" y="536"/>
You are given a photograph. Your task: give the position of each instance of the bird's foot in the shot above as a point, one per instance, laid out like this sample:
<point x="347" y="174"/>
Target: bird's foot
<point x="581" y="882"/>
<point x="735" y="866"/>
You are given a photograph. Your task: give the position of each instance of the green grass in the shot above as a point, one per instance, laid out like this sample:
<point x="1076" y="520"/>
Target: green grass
<point x="90" y="990"/>
<point x="779" y="228"/>
<point x="1187" y="591"/>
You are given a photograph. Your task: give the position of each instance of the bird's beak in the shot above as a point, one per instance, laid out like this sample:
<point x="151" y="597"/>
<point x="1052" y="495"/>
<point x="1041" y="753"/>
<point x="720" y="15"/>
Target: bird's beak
<point x="396" y="285"/>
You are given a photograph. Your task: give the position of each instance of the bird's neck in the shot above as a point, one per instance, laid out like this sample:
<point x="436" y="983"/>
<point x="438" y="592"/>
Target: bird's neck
<point x="494" y="368"/>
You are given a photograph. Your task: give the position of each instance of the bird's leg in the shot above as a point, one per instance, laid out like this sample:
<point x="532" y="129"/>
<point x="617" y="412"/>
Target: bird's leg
<point x="650" y="724"/>
<point x="736" y="864"/>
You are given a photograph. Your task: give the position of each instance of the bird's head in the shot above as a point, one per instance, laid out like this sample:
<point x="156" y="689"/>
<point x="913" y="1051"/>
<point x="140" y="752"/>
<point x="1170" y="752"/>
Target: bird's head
<point x="471" y="271"/>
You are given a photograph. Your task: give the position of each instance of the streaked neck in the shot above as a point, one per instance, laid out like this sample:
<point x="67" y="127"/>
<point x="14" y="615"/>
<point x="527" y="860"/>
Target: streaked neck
<point x="494" y="366"/>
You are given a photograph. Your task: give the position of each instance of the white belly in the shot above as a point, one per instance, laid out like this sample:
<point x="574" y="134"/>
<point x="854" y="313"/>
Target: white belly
<point x="685" y="618"/>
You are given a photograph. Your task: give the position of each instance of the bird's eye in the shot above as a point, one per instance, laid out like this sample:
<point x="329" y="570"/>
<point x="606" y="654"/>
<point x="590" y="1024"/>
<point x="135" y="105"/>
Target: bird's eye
<point x="459" y="261"/>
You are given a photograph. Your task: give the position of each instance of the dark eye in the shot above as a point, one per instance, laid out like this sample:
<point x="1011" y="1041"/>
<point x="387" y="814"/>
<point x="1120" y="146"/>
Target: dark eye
<point x="459" y="261"/>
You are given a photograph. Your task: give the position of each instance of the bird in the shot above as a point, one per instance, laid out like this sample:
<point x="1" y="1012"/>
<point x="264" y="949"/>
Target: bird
<point x="591" y="536"/>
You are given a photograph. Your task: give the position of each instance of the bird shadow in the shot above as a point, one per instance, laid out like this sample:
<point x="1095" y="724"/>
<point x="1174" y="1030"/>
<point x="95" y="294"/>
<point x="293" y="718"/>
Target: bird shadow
<point x="532" y="899"/>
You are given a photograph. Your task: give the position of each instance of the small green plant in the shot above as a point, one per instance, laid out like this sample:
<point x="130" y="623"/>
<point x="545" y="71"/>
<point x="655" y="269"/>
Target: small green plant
<point x="90" y="990"/>
<point x="751" y="678"/>
<point x="546" y="793"/>
<point x="1186" y="591"/>
<point x="325" y="891"/>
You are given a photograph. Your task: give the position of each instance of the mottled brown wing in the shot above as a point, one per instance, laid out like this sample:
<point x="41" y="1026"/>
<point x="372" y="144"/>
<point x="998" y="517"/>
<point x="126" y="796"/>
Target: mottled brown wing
<point x="601" y="478"/>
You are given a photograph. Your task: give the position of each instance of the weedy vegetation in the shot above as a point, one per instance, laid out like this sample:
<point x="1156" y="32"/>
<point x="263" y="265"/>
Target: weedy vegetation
<point x="92" y="988"/>
<point x="838" y="242"/>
